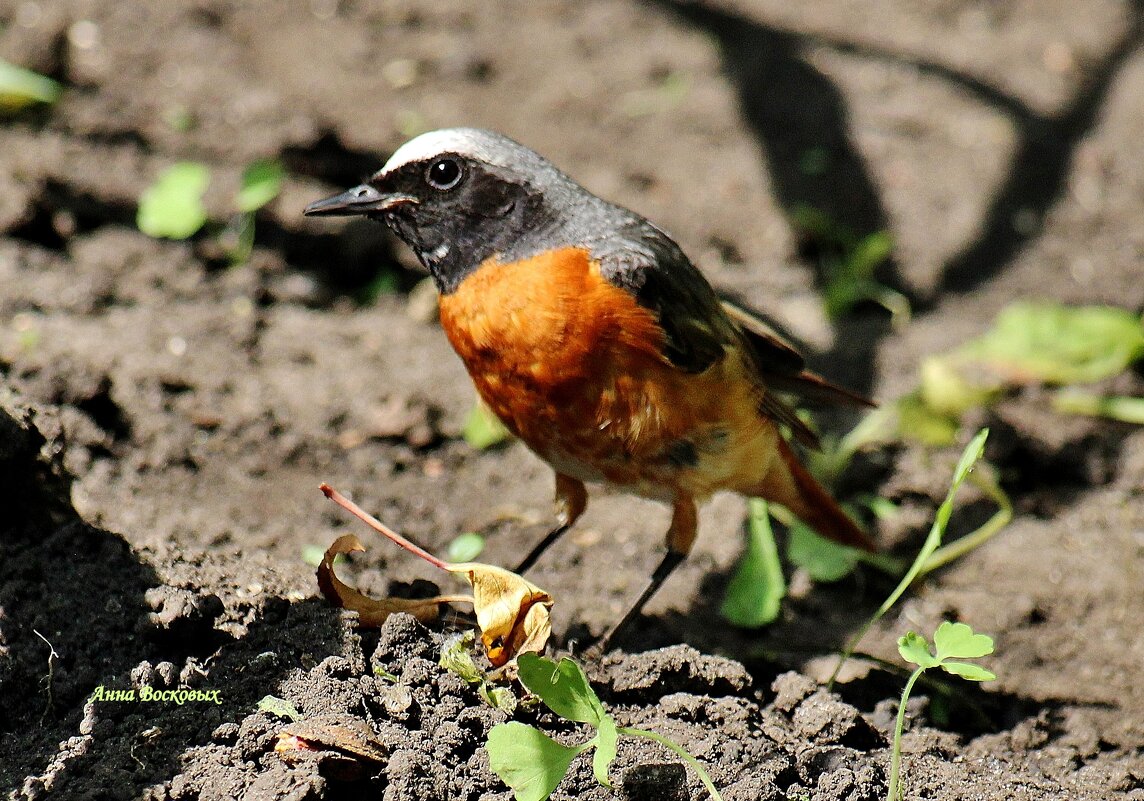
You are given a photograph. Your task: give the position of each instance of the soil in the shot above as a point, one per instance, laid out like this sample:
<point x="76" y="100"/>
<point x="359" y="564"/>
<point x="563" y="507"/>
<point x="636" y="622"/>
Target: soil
<point x="165" y="417"/>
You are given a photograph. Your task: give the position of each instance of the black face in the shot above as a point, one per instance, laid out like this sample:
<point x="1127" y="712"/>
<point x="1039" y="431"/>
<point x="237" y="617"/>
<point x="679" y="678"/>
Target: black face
<point x="458" y="213"/>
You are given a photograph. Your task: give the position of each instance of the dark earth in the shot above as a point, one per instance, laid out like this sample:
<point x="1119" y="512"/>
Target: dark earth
<point x="166" y="418"/>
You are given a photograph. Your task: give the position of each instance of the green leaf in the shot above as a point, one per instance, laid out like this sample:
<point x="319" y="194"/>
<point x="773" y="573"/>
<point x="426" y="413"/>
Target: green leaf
<point x="919" y="422"/>
<point x="483" y="429"/>
<point x="261" y="183"/>
<point x="385" y="282"/>
<point x="957" y="641"/>
<point x="824" y="560"/>
<point x="967" y="671"/>
<point x="874" y="249"/>
<point x="883" y="508"/>
<point x="279" y="707"/>
<point x="1112" y="407"/>
<point x="914" y="649"/>
<point x="527" y="760"/>
<point x="456" y="657"/>
<point x="755" y="593"/>
<point x="1052" y="343"/>
<point x="969" y="457"/>
<point x="945" y="391"/>
<point x="172" y="207"/>
<point x="606" y="748"/>
<point x="20" y="88"/>
<point x="385" y="675"/>
<point x="312" y="554"/>
<point x="465" y="547"/>
<point x="562" y="687"/>
<point x="498" y="697"/>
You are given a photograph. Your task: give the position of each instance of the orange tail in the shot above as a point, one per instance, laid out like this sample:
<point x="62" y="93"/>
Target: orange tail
<point x="809" y="501"/>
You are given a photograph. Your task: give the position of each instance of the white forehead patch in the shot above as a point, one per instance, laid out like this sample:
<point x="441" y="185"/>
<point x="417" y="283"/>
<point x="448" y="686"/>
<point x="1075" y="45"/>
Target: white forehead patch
<point x="471" y="142"/>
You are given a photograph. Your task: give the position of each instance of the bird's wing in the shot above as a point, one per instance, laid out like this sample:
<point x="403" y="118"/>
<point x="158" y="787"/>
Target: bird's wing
<point x="781" y="366"/>
<point x="646" y="262"/>
<point x="696" y="325"/>
<point x="699" y="327"/>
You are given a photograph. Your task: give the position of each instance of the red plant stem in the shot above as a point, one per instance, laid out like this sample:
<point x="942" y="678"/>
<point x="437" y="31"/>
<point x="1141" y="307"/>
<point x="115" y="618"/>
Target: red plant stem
<point x="380" y="527"/>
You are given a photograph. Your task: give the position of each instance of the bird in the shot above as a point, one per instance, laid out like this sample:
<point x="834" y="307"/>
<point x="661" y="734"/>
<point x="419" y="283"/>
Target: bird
<point x="590" y="334"/>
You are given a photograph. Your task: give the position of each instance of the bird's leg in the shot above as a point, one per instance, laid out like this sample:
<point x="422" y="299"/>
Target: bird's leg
<point x="680" y="537"/>
<point x="570" y="501"/>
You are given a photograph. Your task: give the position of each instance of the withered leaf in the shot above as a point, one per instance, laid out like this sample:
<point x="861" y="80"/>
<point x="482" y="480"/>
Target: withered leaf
<point x="345" y="735"/>
<point x="513" y="613"/>
<point x="343" y="748"/>
<point x="372" y="612"/>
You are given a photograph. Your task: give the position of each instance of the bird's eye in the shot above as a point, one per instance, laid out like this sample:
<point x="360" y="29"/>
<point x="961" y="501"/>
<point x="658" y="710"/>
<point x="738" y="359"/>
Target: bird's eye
<point x="444" y="174"/>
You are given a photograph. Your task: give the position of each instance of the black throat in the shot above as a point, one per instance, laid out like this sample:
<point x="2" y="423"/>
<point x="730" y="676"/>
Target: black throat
<point x="452" y="243"/>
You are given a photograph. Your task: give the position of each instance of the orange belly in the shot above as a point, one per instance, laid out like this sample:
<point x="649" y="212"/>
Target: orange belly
<point x="574" y="367"/>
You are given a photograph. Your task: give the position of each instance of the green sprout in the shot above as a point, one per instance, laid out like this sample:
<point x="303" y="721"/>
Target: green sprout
<point x="931" y="556"/>
<point x="1029" y="343"/>
<point x="483" y="429"/>
<point x="21" y="88"/>
<point x="755" y="594"/>
<point x="172" y="207"/>
<point x="951" y="641"/>
<point x="465" y="547"/>
<point x="823" y="560"/>
<point x="279" y="707"/>
<point x="456" y="657"/>
<point x="849" y="261"/>
<point x="261" y="182"/>
<point x="533" y="764"/>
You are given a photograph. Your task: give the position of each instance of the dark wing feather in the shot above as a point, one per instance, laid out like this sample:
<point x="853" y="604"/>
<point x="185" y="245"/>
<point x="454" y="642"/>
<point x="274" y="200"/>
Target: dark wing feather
<point x="782" y="367"/>
<point x="646" y="262"/>
<point x="699" y="327"/>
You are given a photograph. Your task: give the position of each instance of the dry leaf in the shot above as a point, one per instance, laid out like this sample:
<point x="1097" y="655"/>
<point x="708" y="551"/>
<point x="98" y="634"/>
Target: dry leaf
<point x="511" y="611"/>
<point x="345" y="749"/>
<point x="372" y="612"/>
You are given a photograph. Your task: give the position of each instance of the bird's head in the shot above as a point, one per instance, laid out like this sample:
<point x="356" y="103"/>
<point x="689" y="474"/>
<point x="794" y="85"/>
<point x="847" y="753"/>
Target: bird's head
<point x="458" y="196"/>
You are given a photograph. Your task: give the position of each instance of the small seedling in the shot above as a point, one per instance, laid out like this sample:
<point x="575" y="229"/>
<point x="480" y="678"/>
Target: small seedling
<point x="951" y="641"/>
<point x="20" y="88"/>
<point x="1112" y="407"/>
<point x="261" y="182"/>
<point x="930" y="557"/>
<point x="53" y="657"/>
<point x="756" y="591"/>
<point x="483" y="429"/>
<point x="533" y="764"/>
<point x="465" y="547"/>
<point x="1029" y="343"/>
<point x="754" y="595"/>
<point x="279" y="707"/>
<point x="172" y="207"/>
<point x="849" y="261"/>
<point x="825" y="560"/>
<point x="456" y="657"/>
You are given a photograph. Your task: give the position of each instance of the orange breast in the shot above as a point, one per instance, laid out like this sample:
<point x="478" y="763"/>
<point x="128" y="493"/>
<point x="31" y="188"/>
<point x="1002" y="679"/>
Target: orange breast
<point x="574" y="366"/>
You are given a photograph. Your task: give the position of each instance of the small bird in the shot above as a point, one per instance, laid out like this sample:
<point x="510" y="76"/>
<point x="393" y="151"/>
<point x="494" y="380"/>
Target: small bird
<point x="590" y="334"/>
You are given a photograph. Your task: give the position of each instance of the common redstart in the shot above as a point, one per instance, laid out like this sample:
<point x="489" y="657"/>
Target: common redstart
<point x="596" y="341"/>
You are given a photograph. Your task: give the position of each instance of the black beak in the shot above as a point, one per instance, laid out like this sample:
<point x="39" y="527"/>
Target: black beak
<point x="362" y="199"/>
